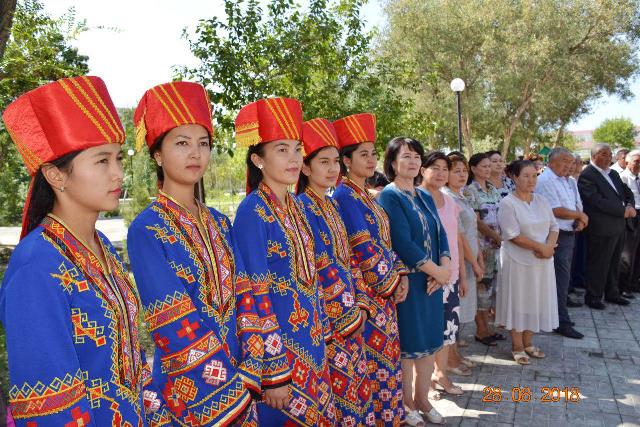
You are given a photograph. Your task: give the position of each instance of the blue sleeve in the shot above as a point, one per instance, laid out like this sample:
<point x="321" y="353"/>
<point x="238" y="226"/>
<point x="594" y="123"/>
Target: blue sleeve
<point x="47" y="386"/>
<point x="409" y="252"/>
<point x="176" y="326"/>
<point x="251" y="242"/>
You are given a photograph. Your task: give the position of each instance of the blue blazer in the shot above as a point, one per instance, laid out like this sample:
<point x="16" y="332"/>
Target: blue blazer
<point x="408" y="233"/>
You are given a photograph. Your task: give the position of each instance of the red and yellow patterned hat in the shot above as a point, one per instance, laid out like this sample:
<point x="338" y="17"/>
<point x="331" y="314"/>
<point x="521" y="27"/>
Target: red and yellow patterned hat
<point x="168" y="106"/>
<point x="269" y="120"/>
<point x="356" y="129"/>
<point x="318" y="133"/>
<point x="59" y="118"/>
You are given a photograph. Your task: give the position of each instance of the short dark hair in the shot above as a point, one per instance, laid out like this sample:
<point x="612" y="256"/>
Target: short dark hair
<point x="393" y="149"/>
<point x="433" y="156"/>
<point x="458" y="157"/>
<point x="377" y="180"/>
<point x="515" y="168"/>
<point x="475" y="161"/>
<point x="493" y="152"/>
<point x="303" y="180"/>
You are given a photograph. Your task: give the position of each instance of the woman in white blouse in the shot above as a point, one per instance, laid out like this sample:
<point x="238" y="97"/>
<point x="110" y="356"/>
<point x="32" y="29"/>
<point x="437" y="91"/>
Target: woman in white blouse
<point x="526" y="300"/>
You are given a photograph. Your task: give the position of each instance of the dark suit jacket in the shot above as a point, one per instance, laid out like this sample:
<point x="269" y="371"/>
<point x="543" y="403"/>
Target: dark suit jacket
<point x="604" y="206"/>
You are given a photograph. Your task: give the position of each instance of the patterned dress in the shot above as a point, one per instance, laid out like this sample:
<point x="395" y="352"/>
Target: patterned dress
<point x="276" y="243"/>
<point x="369" y="236"/>
<point x="485" y="203"/>
<point x="72" y="335"/>
<point x="201" y="314"/>
<point x="345" y="293"/>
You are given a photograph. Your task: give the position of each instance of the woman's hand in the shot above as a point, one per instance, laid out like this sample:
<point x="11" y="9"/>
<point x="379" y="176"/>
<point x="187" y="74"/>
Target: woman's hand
<point x="464" y="287"/>
<point x="441" y="275"/>
<point x="402" y="290"/>
<point x="277" y="398"/>
<point x="364" y="316"/>
<point x="478" y="269"/>
<point x="432" y="285"/>
<point x="545" y="251"/>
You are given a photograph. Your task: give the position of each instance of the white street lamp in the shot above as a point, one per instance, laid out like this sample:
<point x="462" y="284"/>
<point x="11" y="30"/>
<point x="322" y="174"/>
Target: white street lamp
<point x="457" y="85"/>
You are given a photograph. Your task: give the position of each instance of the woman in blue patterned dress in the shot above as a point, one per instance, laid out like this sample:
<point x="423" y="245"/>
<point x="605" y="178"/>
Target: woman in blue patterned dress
<point x="277" y="245"/>
<point x="68" y="307"/>
<point x="419" y="238"/>
<point x="197" y="297"/>
<point x="345" y="293"/>
<point x="384" y="274"/>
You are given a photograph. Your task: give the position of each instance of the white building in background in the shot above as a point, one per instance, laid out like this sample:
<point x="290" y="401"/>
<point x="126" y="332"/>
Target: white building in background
<point x="585" y="140"/>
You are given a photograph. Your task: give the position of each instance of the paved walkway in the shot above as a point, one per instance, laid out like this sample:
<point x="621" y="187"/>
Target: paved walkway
<point x="605" y="365"/>
<point x="113" y="228"/>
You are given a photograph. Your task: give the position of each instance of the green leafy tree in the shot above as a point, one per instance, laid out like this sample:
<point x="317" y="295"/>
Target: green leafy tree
<point x="320" y="55"/>
<point x="619" y="132"/>
<point x="530" y="67"/>
<point x="38" y="51"/>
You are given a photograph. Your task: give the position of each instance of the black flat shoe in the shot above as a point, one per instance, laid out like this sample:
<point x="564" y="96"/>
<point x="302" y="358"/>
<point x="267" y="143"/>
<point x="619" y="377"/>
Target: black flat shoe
<point x="488" y="341"/>
<point x="568" y="331"/>
<point x="573" y="303"/>
<point x="596" y="305"/>
<point x="617" y="300"/>
<point x="627" y="295"/>
<point x="497" y="337"/>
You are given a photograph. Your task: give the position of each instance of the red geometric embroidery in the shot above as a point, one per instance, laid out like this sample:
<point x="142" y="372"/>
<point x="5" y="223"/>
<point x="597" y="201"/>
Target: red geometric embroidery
<point x="174" y="306"/>
<point x="185" y="388"/>
<point x="37" y="400"/>
<point x="275" y="248"/>
<point x="183" y="272"/>
<point x="161" y="342"/>
<point x="83" y="328"/>
<point x="214" y="373"/>
<point x="188" y="329"/>
<point x="80" y="418"/>
<point x="174" y="403"/>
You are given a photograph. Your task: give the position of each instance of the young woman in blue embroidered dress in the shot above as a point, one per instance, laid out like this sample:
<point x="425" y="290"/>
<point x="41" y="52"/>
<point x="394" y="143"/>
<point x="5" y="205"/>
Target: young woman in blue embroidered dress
<point x="346" y="300"/>
<point x="69" y="310"/>
<point x="276" y="242"/>
<point x="384" y="274"/>
<point x="198" y="300"/>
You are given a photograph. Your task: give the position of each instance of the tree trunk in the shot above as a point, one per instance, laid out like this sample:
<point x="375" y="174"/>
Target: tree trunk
<point x="559" y="135"/>
<point x="466" y="135"/>
<point x="7" y="7"/>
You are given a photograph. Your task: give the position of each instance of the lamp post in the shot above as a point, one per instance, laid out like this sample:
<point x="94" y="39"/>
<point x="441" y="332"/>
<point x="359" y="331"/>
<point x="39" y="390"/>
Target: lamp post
<point x="457" y="85"/>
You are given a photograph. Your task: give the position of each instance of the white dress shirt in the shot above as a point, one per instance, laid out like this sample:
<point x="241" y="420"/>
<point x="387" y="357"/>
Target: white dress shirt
<point x="605" y="173"/>
<point x="560" y="192"/>
<point x="633" y="182"/>
<point x="616" y="167"/>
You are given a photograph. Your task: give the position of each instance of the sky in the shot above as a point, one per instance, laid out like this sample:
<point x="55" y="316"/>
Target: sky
<point x="148" y="43"/>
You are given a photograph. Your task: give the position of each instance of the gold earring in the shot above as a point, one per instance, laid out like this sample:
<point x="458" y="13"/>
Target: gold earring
<point x="260" y="167"/>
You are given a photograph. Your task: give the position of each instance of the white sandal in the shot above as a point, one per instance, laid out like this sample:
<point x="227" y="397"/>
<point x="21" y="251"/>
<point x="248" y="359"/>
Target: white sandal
<point x="434" y="417"/>
<point x="520" y="357"/>
<point x="413" y="418"/>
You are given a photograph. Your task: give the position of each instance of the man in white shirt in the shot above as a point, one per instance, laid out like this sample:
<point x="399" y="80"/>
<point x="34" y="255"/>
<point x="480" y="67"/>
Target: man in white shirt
<point x="621" y="162"/>
<point x="563" y="196"/>
<point x="630" y="259"/>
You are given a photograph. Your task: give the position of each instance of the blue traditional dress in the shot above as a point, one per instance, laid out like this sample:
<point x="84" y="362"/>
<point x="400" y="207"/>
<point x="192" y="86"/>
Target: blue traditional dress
<point x="201" y="313"/>
<point x="345" y="293"/>
<point x="72" y="334"/>
<point x="369" y="236"/>
<point x="277" y="246"/>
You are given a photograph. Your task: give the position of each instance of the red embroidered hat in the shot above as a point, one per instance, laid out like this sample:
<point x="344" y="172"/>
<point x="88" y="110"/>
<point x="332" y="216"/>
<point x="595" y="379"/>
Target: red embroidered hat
<point x="356" y="129"/>
<point x="318" y="133"/>
<point x="59" y="118"/>
<point x="269" y="120"/>
<point x="168" y="106"/>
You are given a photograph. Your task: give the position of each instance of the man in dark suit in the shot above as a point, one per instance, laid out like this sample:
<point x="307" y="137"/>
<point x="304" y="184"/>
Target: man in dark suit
<point x="608" y="203"/>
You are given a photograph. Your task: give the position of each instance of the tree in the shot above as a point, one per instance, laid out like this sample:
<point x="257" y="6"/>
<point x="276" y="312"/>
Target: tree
<point x="7" y="8"/>
<point x="618" y="132"/>
<point x="320" y="56"/>
<point x="37" y="52"/>
<point x="530" y="67"/>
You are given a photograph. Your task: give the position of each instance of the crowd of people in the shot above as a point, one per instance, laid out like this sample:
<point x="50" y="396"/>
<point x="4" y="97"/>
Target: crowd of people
<point x="341" y="304"/>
